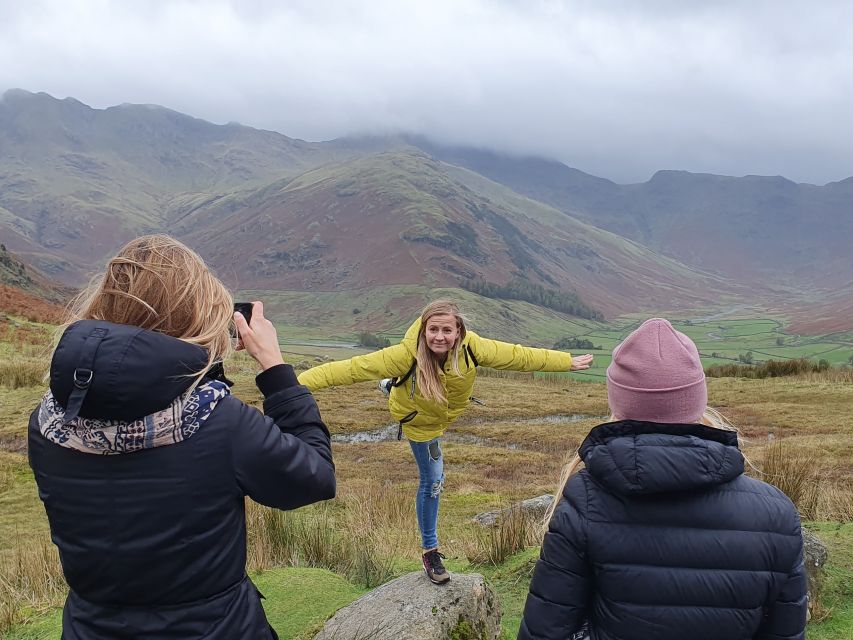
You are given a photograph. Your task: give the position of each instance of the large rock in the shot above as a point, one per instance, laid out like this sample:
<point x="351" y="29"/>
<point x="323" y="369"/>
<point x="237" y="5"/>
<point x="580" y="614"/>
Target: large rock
<point x="533" y="508"/>
<point x="412" y="608"/>
<point x="814" y="557"/>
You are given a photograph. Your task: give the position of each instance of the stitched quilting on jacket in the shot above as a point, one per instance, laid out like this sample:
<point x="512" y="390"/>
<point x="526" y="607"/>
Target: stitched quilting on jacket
<point x="662" y="536"/>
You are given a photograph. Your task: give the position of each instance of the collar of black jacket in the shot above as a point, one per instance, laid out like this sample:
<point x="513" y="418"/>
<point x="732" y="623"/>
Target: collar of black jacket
<point x="634" y="457"/>
<point x="121" y="372"/>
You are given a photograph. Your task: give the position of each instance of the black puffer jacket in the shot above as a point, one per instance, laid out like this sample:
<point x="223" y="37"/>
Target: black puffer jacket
<point x="153" y="542"/>
<point x="662" y="536"/>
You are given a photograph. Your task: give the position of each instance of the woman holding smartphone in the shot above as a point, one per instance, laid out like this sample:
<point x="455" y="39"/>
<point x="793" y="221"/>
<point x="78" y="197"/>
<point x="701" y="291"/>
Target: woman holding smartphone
<point x="143" y="458"/>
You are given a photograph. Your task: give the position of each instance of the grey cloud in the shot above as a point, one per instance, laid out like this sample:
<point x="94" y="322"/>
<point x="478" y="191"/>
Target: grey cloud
<point x="619" y="89"/>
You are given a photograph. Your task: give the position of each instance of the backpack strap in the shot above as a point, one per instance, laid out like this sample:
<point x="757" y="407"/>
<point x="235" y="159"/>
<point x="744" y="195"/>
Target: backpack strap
<point x="397" y="382"/>
<point x="469" y="352"/>
<point x="408" y="418"/>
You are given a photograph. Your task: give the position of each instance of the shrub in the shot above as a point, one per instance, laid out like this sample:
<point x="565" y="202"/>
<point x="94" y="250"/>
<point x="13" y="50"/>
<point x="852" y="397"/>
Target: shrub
<point x="768" y="369"/>
<point x="534" y="293"/>
<point x="567" y="344"/>
<point x="372" y="341"/>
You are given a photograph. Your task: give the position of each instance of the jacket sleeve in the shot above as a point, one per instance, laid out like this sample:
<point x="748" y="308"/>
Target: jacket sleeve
<point x="503" y="355"/>
<point x="389" y="362"/>
<point x="283" y="459"/>
<point x="558" y="602"/>
<point x="785" y="619"/>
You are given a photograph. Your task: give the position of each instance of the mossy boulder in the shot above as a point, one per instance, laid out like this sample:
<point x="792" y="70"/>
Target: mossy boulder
<point x="412" y="608"/>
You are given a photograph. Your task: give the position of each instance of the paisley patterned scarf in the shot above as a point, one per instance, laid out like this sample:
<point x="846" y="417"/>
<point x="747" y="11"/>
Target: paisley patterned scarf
<point x="177" y="422"/>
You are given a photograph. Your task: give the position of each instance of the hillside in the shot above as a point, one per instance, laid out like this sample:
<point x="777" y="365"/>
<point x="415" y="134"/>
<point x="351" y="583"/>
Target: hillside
<point x="24" y="291"/>
<point x="399" y="218"/>
<point x="751" y="229"/>
<point x="76" y="182"/>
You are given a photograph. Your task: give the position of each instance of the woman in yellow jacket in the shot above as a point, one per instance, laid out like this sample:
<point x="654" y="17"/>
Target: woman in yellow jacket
<point x="432" y="371"/>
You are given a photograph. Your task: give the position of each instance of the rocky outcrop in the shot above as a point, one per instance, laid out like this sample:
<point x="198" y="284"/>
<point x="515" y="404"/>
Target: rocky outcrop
<point x="814" y="557"/>
<point x="412" y="608"/>
<point x="533" y="509"/>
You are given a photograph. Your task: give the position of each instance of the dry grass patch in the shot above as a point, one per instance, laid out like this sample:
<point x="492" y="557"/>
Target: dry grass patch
<point x="16" y="405"/>
<point x="31" y="580"/>
<point x="809" y="407"/>
<point x="820" y="489"/>
<point x="22" y="372"/>
<point x="554" y="438"/>
<point x="511" y="534"/>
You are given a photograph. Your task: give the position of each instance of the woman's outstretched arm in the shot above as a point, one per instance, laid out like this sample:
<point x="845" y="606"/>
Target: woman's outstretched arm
<point x="515" y="357"/>
<point x="389" y="362"/>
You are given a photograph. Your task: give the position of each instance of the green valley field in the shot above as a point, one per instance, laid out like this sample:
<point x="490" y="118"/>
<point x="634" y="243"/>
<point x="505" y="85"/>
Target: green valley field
<point x="796" y="431"/>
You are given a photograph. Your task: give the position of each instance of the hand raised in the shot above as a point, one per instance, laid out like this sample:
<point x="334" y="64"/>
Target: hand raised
<point x="581" y="362"/>
<point x="259" y="339"/>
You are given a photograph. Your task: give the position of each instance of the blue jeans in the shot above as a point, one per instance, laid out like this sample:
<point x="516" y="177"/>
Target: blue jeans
<point x="431" y="470"/>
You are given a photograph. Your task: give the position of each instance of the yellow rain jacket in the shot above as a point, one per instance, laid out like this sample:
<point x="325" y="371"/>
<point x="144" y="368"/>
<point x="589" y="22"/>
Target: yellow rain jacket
<point x="432" y="418"/>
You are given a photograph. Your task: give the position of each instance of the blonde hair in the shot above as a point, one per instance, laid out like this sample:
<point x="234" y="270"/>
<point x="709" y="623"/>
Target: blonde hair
<point x="158" y="283"/>
<point x="428" y="379"/>
<point x="710" y="417"/>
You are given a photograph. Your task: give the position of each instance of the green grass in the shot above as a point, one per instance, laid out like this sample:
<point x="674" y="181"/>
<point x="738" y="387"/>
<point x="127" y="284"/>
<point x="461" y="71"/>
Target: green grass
<point x="511" y="581"/>
<point x="297" y="600"/>
<point x="21" y="512"/>
<point x="837" y="595"/>
<point x="45" y="626"/>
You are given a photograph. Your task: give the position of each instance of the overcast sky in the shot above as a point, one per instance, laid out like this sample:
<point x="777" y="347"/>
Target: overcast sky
<point x="617" y="89"/>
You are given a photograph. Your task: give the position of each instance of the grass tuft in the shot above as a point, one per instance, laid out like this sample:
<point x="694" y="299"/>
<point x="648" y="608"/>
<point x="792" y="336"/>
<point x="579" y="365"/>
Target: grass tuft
<point x="22" y="372"/>
<point x="794" y="472"/>
<point x="513" y="532"/>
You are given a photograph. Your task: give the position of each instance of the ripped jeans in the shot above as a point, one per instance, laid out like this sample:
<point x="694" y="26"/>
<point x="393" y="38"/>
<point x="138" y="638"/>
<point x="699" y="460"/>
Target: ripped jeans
<point x="431" y="469"/>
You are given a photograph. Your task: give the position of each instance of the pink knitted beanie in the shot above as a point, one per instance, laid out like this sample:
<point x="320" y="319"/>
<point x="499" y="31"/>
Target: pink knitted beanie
<point x="656" y="376"/>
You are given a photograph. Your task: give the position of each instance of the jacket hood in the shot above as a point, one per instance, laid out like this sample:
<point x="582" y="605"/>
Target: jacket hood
<point x="132" y="372"/>
<point x="410" y="339"/>
<point x="633" y="457"/>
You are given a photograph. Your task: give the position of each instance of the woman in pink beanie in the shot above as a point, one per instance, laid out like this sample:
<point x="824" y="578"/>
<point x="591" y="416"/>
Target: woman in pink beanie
<point x="656" y="532"/>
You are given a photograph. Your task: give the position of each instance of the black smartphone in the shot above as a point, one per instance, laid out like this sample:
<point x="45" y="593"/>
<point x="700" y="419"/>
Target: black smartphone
<point x="244" y="308"/>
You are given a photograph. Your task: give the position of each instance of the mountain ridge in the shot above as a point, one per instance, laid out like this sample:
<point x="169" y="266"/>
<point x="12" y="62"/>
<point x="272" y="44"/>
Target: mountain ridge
<point x="273" y="211"/>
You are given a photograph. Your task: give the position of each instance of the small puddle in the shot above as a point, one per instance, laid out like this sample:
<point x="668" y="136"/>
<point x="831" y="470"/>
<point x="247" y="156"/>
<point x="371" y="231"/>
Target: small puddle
<point x="374" y="435"/>
<point x="389" y="432"/>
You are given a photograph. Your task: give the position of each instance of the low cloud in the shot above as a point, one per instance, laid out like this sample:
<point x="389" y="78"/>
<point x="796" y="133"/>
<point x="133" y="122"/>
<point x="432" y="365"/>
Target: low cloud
<point x="618" y="89"/>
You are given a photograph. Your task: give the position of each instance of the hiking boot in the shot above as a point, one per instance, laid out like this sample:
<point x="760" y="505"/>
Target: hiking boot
<point x="435" y="568"/>
<point x="385" y="385"/>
